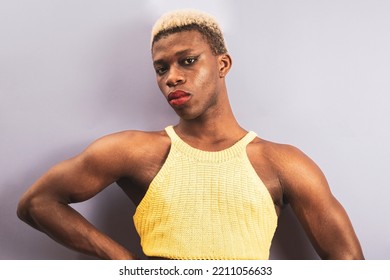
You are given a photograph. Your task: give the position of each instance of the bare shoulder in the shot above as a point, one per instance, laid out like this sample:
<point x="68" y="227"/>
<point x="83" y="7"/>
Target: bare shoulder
<point x="129" y="141"/>
<point x="125" y="148"/>
<point x="297" y="173"/>
<point x="306" y="189"/>
<point x="278" y="154"/>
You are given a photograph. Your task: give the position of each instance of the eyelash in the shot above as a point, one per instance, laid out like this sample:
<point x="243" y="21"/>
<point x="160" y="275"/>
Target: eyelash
<point x="187" y="59"/>
<point x="186" y="62"/>
<point x="161" y="70"/>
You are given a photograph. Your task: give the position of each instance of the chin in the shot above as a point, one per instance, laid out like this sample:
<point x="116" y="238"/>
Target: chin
<point x="187" y="116"/>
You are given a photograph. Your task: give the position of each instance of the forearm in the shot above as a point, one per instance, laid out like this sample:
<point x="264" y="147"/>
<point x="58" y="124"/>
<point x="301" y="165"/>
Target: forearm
<point x="66" y="226"/>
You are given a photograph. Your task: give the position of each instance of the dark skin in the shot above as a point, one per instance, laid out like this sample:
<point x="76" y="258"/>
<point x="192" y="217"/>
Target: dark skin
<point x="132" y="159"/>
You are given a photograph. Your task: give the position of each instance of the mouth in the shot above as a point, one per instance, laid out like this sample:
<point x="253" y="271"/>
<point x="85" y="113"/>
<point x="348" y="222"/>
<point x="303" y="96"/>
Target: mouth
<point x="178" y="97"/>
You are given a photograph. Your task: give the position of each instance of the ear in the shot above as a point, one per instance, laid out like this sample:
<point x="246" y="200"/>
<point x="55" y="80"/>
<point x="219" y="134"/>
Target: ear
<point x="225" y="63"/>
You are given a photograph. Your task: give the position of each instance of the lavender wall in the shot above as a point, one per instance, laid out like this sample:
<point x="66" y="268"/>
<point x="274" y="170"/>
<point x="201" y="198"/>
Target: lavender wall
<point x="311" y="74"/>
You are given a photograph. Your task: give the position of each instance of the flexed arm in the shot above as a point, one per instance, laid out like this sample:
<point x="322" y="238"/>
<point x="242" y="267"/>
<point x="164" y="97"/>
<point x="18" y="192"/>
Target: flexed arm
<point x="45" y="205"/>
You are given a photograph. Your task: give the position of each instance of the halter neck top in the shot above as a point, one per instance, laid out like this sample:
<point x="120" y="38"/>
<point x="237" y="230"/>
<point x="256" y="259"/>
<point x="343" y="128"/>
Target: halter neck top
<point x="206" y="205"/>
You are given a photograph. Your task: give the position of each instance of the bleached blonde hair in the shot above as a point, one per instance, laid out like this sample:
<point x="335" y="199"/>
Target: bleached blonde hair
<point x="187" y="20"/>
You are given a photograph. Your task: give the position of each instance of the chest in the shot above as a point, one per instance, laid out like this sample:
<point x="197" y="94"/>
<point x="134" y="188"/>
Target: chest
<point x="150" y="163"/>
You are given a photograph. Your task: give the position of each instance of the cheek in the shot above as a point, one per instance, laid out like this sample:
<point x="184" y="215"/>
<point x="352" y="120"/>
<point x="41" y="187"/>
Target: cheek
<point x="160" y="84"/>
<point x="204" y="77"/>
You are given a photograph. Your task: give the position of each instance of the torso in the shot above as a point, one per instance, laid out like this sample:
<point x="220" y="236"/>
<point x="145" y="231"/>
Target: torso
<point x="148" y="159"/>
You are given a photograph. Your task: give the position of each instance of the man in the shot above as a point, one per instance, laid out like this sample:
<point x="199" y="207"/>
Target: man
<point x="205" y="188"/>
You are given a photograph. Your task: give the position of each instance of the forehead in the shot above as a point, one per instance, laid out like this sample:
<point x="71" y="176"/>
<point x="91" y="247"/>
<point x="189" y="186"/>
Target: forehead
<point x="179" y="42"/>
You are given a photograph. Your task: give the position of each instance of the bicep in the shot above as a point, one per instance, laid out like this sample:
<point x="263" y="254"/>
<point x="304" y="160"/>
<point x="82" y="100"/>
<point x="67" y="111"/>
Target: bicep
<point x="322" y="216"/>
<point x="77" y="179"/>
<point x="72" y="181"/>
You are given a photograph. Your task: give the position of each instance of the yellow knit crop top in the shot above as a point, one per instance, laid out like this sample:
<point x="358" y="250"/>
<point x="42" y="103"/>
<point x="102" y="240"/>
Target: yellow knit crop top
<point x="206" y="205"/>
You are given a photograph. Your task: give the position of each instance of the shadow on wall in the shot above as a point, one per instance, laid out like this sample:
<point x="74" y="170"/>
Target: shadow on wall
<point x="113" y="214"/>
<point x="290" y="241"/>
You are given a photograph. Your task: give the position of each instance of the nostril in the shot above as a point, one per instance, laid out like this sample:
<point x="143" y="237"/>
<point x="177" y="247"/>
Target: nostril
<point x="174" y="77"/>
<point x="174" y="82"/>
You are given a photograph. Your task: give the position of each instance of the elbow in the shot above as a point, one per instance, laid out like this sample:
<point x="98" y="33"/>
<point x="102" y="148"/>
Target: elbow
<point x="28" y="207"/>
<point x="24" y="207"/>
<point x="36" y="208"/>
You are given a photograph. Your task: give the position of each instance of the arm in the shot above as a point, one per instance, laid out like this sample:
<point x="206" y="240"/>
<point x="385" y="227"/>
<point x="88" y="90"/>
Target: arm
<point x="321" y="215"/>
<point x="45" y="205"/>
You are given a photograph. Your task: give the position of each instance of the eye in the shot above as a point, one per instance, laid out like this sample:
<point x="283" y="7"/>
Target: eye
<point x="160" y="70"/>
<point x="190" y="60"/>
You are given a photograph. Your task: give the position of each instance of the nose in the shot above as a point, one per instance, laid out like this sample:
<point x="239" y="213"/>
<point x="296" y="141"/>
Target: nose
<point x="175" y="77"/>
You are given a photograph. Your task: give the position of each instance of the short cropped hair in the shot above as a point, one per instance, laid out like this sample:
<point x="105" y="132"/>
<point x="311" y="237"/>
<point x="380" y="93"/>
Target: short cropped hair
<point x="188" y="20"/>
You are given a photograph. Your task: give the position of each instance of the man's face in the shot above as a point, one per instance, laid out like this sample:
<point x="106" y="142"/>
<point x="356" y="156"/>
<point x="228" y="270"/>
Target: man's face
<point x="187" y="73"/>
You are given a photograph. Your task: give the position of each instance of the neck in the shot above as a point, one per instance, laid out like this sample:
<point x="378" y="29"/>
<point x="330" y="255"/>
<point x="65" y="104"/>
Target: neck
<point x="222" y="123"/>
<point x="218" y="125"/>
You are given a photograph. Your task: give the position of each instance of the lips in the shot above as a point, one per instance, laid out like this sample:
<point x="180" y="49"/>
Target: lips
<point x="178" y="97"/>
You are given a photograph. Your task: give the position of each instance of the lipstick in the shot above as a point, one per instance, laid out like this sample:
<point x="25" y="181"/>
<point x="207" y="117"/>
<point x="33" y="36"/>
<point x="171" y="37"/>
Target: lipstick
<point x="178" y="97"/>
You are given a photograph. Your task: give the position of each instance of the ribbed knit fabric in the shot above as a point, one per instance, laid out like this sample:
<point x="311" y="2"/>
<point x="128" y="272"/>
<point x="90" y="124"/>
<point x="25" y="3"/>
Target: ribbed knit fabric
<point x="206" y="205"/>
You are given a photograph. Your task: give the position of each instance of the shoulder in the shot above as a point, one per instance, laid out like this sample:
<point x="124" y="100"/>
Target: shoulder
<point x="278" y="154"/>
<point x="129" y="140"/>
<point x="295" y="170"/>
<point x="125" y="147"/>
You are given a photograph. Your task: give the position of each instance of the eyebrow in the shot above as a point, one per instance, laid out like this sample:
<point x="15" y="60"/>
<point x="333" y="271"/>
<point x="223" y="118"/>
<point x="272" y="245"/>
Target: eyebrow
<point x="178" y="53"/>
